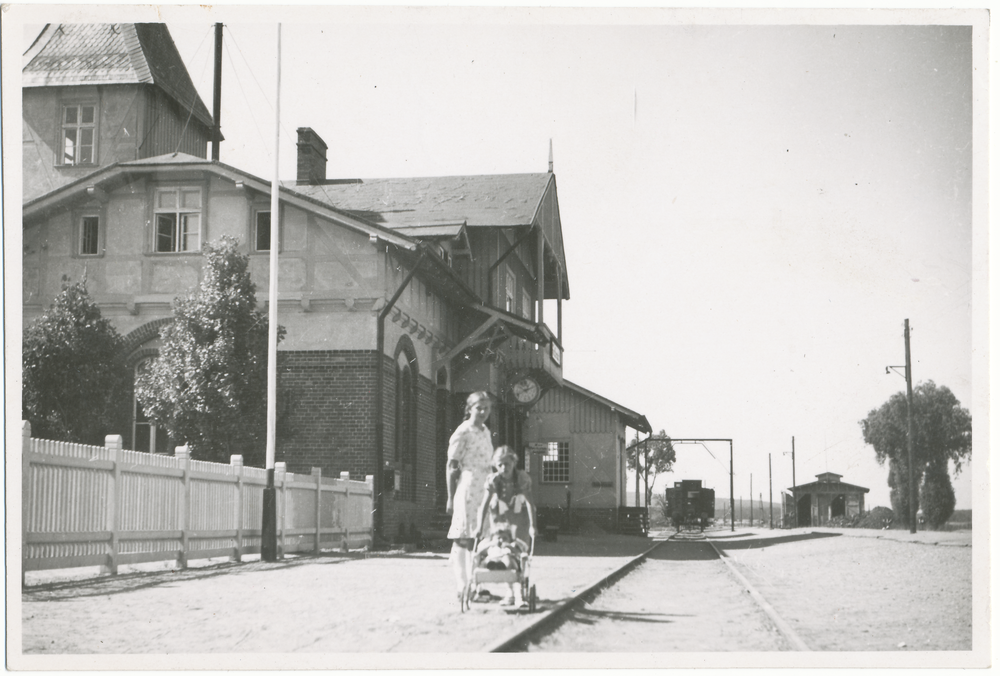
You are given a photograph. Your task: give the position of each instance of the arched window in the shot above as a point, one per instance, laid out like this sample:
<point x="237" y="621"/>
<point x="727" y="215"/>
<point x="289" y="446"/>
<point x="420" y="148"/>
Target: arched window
<point x="406" y="416"/>
<point x="146" y="435"/>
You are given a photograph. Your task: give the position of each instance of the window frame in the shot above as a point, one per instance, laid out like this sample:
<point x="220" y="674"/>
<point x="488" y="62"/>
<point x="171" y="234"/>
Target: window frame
<point x="527" y="305"/>
<point x="406" y="414"/>
<point x="78" y="126"/>
<point x="561" y="466"/>
<point x="510" y="290"/>
<point x="178" y="210"/>
<point x="79" y="232"/>
<point x="255" y="213"/>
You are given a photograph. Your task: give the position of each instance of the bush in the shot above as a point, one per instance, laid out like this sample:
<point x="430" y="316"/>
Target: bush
<point x="74" y="379"/>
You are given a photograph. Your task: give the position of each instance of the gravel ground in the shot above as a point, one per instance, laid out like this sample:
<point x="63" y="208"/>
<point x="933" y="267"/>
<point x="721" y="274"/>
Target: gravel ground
<point x="874" y="590"/>
<point x="839" y="593"/>
<point x="329" y="604"/>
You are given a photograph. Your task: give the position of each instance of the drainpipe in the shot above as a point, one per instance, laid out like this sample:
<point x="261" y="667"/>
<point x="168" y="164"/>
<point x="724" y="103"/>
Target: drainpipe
<point x="379" y="395"/>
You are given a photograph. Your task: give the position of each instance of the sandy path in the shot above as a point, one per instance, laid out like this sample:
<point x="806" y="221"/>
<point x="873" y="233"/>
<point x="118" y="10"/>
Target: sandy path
<point x="402" y="603"/>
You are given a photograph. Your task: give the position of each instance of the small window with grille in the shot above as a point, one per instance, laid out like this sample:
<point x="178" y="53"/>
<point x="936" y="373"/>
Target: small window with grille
<point x="555" y="462"/>
<point x="90" y="235"/>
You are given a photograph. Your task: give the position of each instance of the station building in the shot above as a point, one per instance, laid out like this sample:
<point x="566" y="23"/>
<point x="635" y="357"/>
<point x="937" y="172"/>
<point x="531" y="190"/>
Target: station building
<point x="399" y="296"/>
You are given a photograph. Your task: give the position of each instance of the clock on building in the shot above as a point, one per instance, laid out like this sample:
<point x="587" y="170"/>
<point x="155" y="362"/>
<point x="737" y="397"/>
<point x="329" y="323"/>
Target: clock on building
<point x="526" y="390"/>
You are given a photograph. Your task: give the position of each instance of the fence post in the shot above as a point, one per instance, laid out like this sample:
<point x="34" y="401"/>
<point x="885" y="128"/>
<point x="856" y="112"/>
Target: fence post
<point x="113" y="442"/>
<point x="236" y="462"/>
<point x="370" y="480"/>
<point x="318" y="473"/>
<point x="348" y="512"/>
<point x="26" y="496"/>
<point x="183" y="455"/>
<point x="281" y="475"/>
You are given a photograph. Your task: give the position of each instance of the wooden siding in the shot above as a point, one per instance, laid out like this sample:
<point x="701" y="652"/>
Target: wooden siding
<point x="168" y="128"/>
<point x="585" y="415"/>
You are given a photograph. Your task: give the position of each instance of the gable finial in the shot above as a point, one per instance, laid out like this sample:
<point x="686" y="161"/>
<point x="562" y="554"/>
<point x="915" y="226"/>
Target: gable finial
<point x="550" y="156"/>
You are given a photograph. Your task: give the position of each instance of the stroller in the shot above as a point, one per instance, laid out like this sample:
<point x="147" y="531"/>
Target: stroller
<point x="517" y="568"/>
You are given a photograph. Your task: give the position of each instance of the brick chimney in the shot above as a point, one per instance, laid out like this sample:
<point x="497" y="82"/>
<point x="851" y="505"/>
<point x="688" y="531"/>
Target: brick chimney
<point x="311" y="162"/>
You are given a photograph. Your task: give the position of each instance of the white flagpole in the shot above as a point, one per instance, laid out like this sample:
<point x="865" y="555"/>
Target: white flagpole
<point x="268" y="545"/>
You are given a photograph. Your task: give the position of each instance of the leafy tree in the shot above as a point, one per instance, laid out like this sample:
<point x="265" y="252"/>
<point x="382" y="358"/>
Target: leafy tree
<point x="208" y="387"/>
<point x="74" y="379"/>
<point x="937" y="497"/>
<point x="656" y="452"/>
<point x="942" y="432"/>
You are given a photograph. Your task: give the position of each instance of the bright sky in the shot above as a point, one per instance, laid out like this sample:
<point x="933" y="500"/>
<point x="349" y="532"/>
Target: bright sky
<point x="749" y="211"/>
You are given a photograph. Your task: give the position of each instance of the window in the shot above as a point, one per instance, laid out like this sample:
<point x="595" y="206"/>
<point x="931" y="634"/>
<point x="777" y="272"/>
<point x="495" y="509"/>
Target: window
<point x="146" y="435"/>
<point x="527" y="309"/>
<point x="406" y="419"/>
<point x="90" y="230"/>
<point x="262" y="231"/>
<point x="78" y="133"/>
<point x="177" y="212"/>
<point x="509" y="290"/>
<point x="555" y="462"/>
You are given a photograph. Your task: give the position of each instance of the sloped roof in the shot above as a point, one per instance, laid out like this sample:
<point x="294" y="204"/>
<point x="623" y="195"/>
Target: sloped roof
<point x="120" y="53"/>
<point x="635" y="420"/>
<point x="116" y="174"/>
<point x="827" y="486"/>
<point x="504" y="200"/>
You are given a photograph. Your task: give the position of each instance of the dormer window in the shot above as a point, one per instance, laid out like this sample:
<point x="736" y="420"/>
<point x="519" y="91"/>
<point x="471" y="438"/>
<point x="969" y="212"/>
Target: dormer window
<point x="177" y="215"/>
<point x="79" y="128"/>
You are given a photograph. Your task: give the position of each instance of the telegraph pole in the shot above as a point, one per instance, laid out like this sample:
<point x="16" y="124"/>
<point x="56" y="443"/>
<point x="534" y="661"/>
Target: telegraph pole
<point x="269" y="520"/>
<point x="795" y="497"/>
<point x="770" y="491"/>
<point x="909" y="428"/>
<point x="217" y="94"/>
<point x="637" y="468"/>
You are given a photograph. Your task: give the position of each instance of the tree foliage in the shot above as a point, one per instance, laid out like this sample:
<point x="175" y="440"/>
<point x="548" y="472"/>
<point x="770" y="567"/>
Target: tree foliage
<point x="208" y="386"/>
<point x="74" y="385"/>
<point x="656" y="453"/>
<point x="937" y="497"/>
<point x="942" y="433"/>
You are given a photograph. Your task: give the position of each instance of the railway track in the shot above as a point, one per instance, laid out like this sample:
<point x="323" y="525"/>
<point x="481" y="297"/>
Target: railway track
<point x="654" y="600"/>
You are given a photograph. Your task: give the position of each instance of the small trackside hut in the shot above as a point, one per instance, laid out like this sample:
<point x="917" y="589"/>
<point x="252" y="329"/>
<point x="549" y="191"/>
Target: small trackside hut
<point x="827" y="498"/>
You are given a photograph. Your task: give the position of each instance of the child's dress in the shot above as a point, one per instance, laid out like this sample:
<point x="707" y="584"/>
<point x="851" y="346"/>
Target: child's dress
<point x="509" y="521"/>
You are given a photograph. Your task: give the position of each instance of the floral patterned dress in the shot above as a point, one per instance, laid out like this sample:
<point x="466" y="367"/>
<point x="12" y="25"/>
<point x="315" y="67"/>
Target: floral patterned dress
<point x="472" y="449"/>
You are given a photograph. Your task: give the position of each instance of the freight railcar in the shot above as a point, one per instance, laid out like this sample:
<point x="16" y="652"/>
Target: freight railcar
<point x="690" y="506"/>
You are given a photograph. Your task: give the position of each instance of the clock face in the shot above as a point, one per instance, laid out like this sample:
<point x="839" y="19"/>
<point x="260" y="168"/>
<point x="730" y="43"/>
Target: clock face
<point x="526" y="390"/>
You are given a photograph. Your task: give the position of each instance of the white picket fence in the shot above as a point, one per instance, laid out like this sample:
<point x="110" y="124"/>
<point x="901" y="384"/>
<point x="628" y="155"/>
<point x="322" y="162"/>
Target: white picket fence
<point x="106" y="506"/>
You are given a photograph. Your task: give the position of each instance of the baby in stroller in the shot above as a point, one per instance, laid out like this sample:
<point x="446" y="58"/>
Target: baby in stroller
<point x="508" y="504"/>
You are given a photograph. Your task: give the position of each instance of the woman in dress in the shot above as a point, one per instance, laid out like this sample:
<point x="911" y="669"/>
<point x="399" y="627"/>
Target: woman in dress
<point x="469" y="454"/>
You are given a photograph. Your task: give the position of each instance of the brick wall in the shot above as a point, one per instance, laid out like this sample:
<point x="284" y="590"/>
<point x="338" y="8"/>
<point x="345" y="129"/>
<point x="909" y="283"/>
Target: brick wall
<point x="327" y="420"/>
<point x="327" y="411"/>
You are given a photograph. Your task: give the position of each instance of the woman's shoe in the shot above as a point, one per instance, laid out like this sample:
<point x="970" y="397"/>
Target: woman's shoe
<point x="507" y="601"/>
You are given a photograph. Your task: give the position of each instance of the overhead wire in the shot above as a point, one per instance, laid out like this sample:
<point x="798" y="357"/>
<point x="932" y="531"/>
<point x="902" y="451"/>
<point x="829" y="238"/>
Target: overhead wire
<point x="285" y="129"/>
<point x="239" y="82"/>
